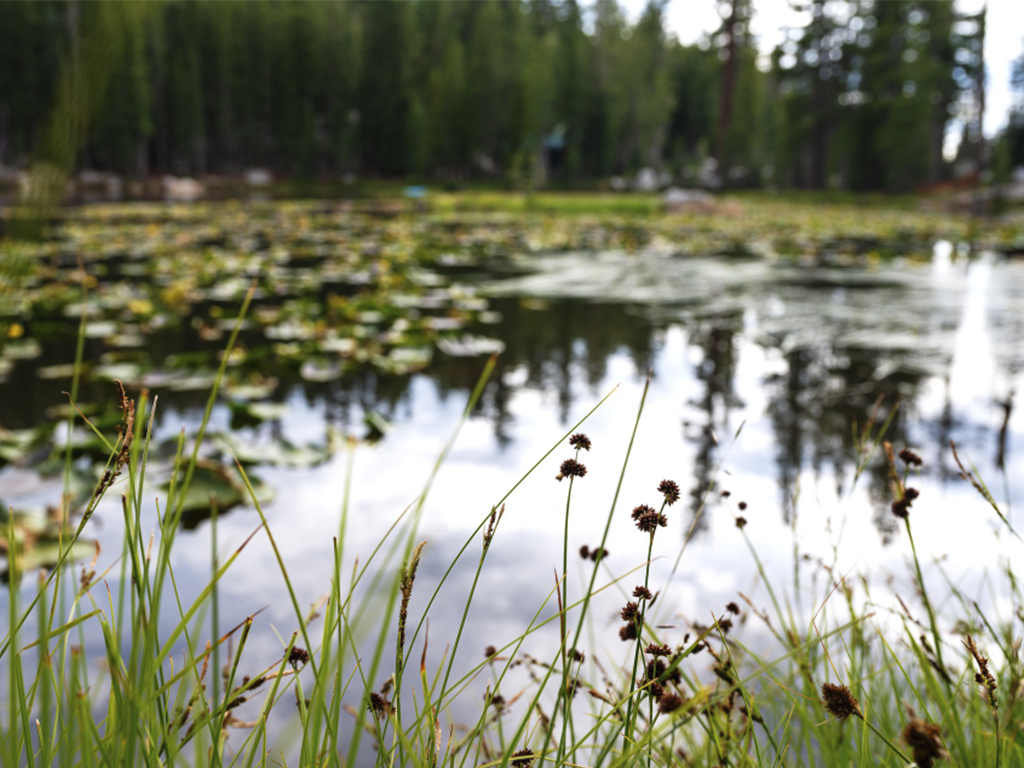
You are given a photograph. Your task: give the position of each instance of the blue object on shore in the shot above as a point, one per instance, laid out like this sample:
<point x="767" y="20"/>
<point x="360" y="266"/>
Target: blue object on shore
<point x="415" y="192"/>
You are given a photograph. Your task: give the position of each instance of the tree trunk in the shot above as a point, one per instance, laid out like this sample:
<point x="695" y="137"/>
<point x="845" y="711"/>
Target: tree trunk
<point x="727" y="93"/>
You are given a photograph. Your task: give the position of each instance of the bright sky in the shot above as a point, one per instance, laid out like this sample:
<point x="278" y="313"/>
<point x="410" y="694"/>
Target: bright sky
<point x="1004" y="41"/>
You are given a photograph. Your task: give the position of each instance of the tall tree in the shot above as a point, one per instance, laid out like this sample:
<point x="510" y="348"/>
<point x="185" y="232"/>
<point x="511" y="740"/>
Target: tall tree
<point x="384" y="97"/>
<point x="732" y="37"/>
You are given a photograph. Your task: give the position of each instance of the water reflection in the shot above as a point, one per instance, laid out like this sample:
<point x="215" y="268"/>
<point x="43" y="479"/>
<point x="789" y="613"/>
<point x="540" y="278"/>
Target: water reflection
<point x="841" y="344"/>
<point x="836" y="343"/>
<point x="798" y="356"/>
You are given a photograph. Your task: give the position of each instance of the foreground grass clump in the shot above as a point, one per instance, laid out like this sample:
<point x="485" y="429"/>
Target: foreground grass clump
<point x="823" y="674"/>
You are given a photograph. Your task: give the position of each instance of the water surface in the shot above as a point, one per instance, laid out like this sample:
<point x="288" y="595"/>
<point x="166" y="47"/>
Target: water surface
<point x="763" y="374"/>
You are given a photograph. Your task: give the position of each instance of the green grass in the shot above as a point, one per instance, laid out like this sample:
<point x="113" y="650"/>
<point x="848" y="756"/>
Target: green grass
<point x="845" y="678"/>
<point x="562" y="203"/>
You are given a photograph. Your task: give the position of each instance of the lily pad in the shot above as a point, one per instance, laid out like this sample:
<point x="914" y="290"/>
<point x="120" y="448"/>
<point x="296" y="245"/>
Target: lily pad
<point x="320" y="370"/>
<point x="21" y="350"/>
<point x="179" y="381"/>
<point x="377" y="426"/>
<point x="470" y="346"/>
<point x="279" y="453"/>
<point x="342" y="345"/>
<point x="251" y="390"/>
<point x="65" y="371"/>
<point x="127" y="372"/>
<point x="15" y="445"/>
<point x="38" y="539"/>
<point x="100" y="329"/>
<point x="247" y="414"/>
<point x="404" y="360"/>
<point x="214" y="483"/>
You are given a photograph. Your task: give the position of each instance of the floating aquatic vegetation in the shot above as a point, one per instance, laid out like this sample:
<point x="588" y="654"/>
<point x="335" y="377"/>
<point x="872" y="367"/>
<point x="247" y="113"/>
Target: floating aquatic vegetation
<point x="470" y="346"/>
<point x="217" y="484"/>
<point x="17" y="444"/>
<point x="279" y="452"/>
<point x="38" y="537"/>
<point x="346" y="293"/>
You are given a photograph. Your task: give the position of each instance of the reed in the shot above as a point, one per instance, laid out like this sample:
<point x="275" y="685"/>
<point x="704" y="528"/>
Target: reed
<point x="837" y="687"/>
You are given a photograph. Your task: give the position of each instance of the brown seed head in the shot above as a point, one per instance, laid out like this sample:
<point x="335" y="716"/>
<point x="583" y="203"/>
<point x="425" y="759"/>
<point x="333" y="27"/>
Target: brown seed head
<point x="655" y="668"/>
<point x="670" y="490"/>
<point x="658" y="650"/>
<point x="630" y="611"/>
<point x="925" y="741"/>
<point x="733" y="608"/>
<point x="657" y="690"/>
<point x="672" y="674"/>
<point x="298" y="656"/>
<point x="901" y="508"/>
<point x="984" y="676"/>
<point x="627" y="632"/>
<point x="580" y="441"/>
<point x="571" y="468"/>
<point x="670" y="702"/>
<point x="522" y="759"/>
<point x="640" y="510"/>
<point x="741" y="523"/>
<point x="642" y="593"/>
<point x="648" y="522"/>
<point x="910" y="458"/>
<point x="380" y="705"/>
<point x="839" y="701"/>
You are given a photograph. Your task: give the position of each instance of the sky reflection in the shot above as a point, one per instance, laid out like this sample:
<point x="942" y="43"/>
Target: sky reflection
<point x="761" y="376"/>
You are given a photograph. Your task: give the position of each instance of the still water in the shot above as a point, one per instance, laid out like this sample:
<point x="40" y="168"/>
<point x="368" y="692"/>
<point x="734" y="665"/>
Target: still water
<point x="762" y="376"/>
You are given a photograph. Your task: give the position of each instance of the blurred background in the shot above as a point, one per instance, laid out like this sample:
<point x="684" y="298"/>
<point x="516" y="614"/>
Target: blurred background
<point x="880" y="95"/>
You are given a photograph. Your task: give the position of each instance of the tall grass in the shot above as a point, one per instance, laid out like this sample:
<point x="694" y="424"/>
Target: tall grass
<point x="147" y="675"/>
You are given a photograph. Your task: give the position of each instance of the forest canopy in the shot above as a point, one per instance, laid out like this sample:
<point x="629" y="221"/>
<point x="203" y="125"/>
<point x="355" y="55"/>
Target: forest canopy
<point x="862" y="97"/>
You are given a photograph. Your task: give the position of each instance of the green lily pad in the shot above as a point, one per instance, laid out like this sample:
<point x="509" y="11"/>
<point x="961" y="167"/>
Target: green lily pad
<point x="320" y="370"/>
<point x="214" y="483"/>
<point x="38" y="539"/>
<point x="100" y="329"/>
<point x="470" y="346"/>
<point x="279" y="453"/>
<point x="124" y="371"/>
<point x="445" y="323"/>
<point x="179" y="381"/>
<point x="25" y="349"/>
<point x="342" y="345"/>
<point x="247" y="414"/>
<point x="404" y="360"/>
<point x="127" y="340"/>
<point x="64" y="371"/>
<point x="376" y="427"/>
<point x="251" y="390"/>
<point x="15" y="445"/>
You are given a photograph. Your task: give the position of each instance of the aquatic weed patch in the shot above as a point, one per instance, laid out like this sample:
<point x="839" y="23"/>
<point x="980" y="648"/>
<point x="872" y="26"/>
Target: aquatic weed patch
<point x="861" y="673"/>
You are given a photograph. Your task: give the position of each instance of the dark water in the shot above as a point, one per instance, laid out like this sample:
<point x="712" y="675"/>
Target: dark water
<point x="762" y="376"/>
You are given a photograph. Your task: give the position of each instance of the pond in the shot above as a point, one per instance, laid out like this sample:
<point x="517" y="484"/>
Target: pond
<point x="770" y="378"/>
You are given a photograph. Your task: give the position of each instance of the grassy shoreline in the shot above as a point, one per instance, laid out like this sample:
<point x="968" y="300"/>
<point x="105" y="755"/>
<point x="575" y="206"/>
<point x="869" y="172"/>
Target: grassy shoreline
<point x="839" y="689"/>
<point x="848" y="677"/>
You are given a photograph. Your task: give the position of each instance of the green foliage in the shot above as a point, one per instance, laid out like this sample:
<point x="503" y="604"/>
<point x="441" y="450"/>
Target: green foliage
<point x="522" y="91"/>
